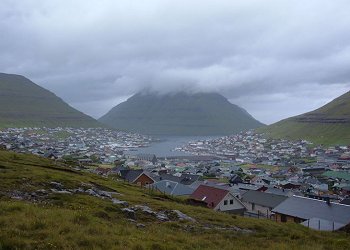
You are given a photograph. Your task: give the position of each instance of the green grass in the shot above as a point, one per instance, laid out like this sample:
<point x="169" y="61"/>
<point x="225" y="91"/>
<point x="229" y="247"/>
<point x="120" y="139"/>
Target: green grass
<point x="25" y="104"/>
<point x="327" y="134"/>
<point x="328" y="125"/>
<point x="85" y="222"/>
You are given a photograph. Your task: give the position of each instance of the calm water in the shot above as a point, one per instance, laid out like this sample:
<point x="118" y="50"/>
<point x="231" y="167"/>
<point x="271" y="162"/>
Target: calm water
<point x="167" y="144"/>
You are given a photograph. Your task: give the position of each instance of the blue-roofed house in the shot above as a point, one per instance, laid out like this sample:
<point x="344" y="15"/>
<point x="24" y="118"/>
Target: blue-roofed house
<point x="172" y="188"/>
<point x="317" y="214"/>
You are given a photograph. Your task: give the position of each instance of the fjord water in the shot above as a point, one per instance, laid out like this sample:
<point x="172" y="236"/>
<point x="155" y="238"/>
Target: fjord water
<point x="165" y="145"/>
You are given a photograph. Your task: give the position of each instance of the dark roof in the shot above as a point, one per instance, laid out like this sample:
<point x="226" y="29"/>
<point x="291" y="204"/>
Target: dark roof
<point x="236" y="179"/>
<point x="245" y="186"/>
<point x="263" y="199"/>
<point x="188" y="179"/>
<point x="130" y="174"/>
<point x="279" y="191"/>
<point x="170" y="177"/>
<point x="345" y="201"/>
<point x="210" y="195"/>
<point x="119" y="168"/>
<point x="306" y="208"/>
<point x="172" y="187"/>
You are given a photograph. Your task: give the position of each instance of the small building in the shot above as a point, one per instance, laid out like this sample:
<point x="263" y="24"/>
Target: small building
<point x="290" y="185"/>
<point x="218" y="199"/>
<point x="261" y="203"/>
<point x="316" y="214"/>
<point x="235" y="179"/>
<point x="138" y="176"/>
<point x="172" y="188"/>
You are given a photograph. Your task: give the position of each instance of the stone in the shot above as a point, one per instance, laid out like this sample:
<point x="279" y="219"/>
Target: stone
<point x="60" y="191"/>
<point x="91" y="192"/>
<point x="103" y="193"/>
<point x="130" y="213"/>
<point x="140" y="225"/>
<point x="56" y="185"/>
<point x="145" y="209"/>
<point x="183" y="216"/>
<point x="162" y="216"/>
<point x="41" y="192"/>
<point x="119" y="202"/>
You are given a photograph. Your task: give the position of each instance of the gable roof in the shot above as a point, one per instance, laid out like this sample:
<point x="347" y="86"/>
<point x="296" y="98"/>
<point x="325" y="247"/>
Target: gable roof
<point x="245" y="186"/>
<point x="172" y="187"/>
<point x="263" y="199"/>
<point x="210" y="195"/>
<point x="279" y="191"/>
<point x="188" y="179"/>
<point x="130" y="174"/>
<point x="170" y="177"/>
<point x="306" y="208"/>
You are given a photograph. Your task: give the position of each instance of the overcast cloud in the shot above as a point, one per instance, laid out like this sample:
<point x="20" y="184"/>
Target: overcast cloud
<point x="275" y="58"/>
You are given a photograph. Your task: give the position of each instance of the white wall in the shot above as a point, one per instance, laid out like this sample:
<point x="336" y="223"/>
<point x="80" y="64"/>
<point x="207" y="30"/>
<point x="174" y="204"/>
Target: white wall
<point x="236" y="204"/>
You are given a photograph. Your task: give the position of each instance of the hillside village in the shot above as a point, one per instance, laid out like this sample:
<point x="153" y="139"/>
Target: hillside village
<point x="244" y="174"/>
<point x="92" y="144"/>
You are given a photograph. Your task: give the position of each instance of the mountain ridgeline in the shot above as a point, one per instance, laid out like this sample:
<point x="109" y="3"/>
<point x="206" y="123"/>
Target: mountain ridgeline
<point x="23" y="103"/>
<point x="180" y="114"/>
<point x="329" y="124"/>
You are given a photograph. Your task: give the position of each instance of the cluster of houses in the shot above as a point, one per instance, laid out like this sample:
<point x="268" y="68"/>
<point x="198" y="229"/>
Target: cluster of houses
<point x="250" y="147"/>
<point x="243" y="174"/>
<point x="275" y="202"/>
<point x="85" y="144"/>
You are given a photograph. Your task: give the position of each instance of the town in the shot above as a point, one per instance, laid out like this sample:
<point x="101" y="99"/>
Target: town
<point x="244" y="174"/>
<point x="95" y="144"/>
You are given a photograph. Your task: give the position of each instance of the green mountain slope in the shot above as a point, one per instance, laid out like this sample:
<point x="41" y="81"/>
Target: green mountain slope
<point x="23" y="103"/>
<point x="329" y="124"/>
<point x="35" y="214"/>
<point x="180" y="114"/>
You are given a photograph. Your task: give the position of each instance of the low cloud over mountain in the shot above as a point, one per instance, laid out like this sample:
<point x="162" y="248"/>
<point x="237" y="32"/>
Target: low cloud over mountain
<point x="275" y="58"/>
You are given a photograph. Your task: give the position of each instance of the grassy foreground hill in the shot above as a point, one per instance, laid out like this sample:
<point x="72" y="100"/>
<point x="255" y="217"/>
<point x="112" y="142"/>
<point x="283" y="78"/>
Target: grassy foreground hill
<point x="180" y="114"/>
<point x="23" y="103"/>
<point x="328" y="125"/>
<point x="37" y="212"/>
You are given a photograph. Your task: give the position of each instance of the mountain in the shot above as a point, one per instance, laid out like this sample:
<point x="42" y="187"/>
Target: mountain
<point x="23" y="103"/>
<point x="328" y="125"/>
<point x="47" y="205"/>
<point x="180" y="114"/>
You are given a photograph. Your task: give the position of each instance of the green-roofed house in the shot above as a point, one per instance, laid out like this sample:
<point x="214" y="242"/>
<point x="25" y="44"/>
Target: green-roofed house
<point x="344" y="175"/>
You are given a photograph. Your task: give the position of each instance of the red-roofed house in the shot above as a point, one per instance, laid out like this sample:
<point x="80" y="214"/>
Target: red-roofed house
<point x="218" y="199"/>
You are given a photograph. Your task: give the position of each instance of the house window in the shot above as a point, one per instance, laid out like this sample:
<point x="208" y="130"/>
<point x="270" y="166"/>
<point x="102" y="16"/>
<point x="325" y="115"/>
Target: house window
<point x="297" y="220"/>
<point x="225" y="202"/>
<point x="253" y="206"/>
<point x="283" y="218"/>
<point x="231" y="202"/>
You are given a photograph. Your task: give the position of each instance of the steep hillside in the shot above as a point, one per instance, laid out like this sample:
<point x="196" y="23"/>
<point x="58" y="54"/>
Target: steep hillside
<point x="46" y="205"/>
<point x="23" y="103"/>
<point x="180" y="114"/>
<point x="329" y="124"/>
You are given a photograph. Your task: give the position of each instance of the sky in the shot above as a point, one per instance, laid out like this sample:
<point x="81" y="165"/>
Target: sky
<point x="275" y="58"/>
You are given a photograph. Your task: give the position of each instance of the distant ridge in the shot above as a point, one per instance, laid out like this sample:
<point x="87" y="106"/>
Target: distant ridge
<point x="180" y="114"/>
<point x="23" y="103"/>
<point x="329" y="124"/>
